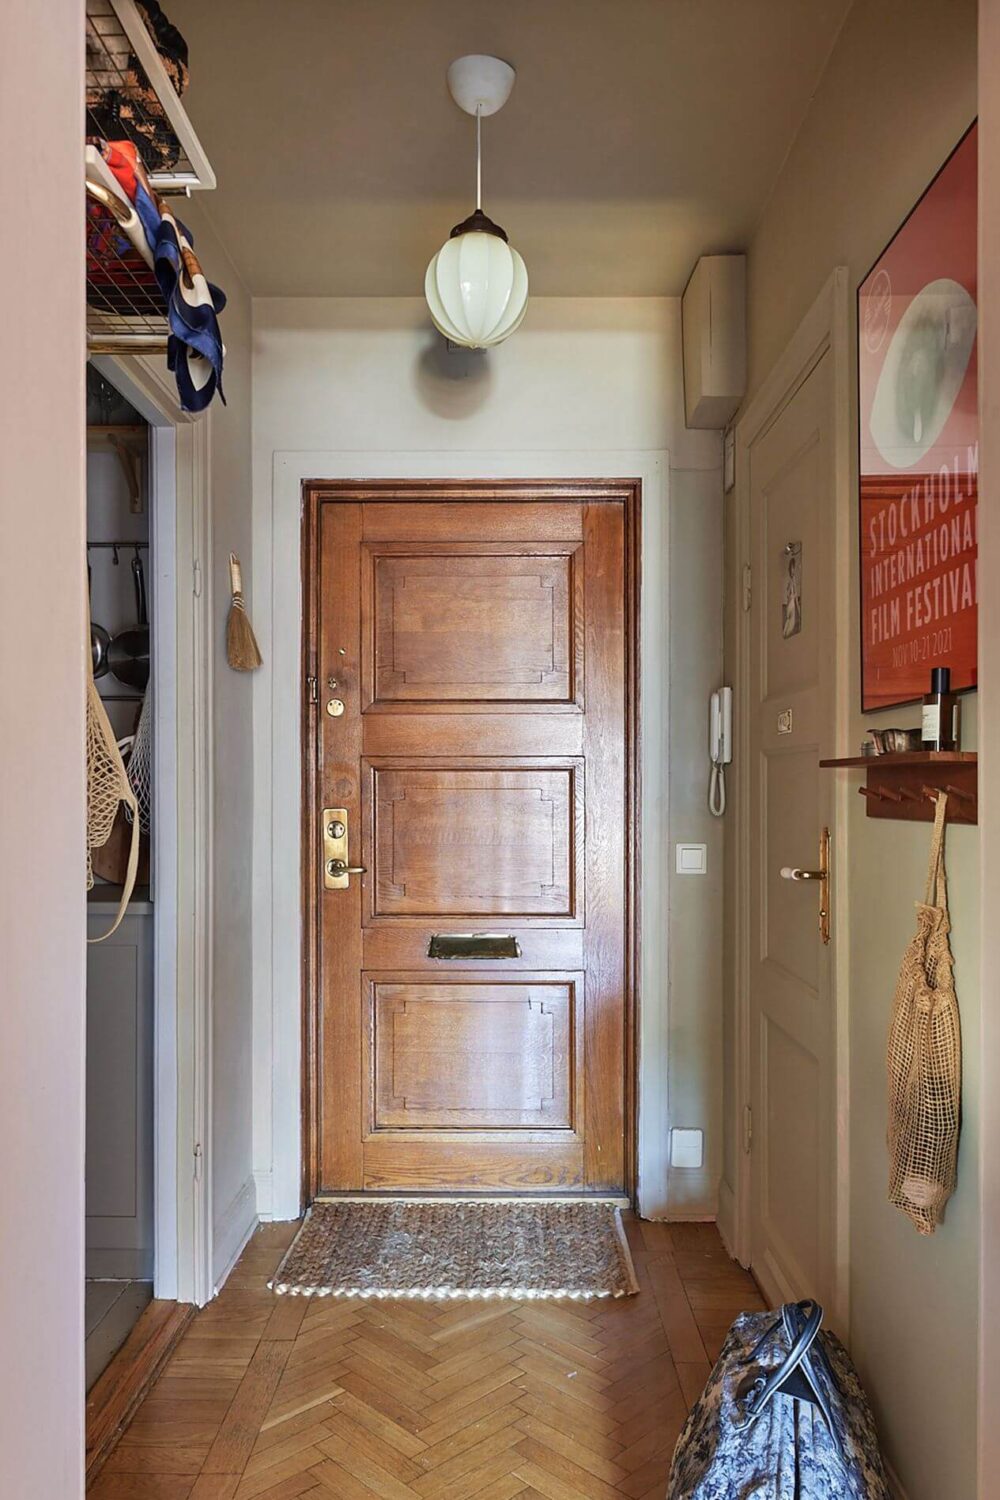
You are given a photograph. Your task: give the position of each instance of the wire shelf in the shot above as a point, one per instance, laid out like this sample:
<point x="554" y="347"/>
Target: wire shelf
<point x="130" y="96"/>
<point x="125" y="309"/>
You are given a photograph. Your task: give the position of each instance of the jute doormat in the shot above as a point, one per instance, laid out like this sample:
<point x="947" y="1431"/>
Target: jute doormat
<point x="482" y="1248"/>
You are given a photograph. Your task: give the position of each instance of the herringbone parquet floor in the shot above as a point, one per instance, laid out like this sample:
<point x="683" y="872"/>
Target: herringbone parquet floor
<point x="284" y="1397"/>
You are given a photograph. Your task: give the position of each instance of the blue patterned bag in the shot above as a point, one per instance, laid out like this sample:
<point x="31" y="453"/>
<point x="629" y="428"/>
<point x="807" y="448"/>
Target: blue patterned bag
<point x="783" y="1417"/>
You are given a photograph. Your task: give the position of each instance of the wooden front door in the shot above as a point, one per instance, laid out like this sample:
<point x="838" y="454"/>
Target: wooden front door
<point x="468" y="1016"/>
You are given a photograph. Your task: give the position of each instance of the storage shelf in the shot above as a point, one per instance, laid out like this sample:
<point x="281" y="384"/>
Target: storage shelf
<point x="128" y="82"/>
<point x="130" y="96"/>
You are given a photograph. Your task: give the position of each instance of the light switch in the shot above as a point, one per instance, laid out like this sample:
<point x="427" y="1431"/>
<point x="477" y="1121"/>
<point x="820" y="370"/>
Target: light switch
<point x="692" y="859"/>
<point x="687" y="1148"/>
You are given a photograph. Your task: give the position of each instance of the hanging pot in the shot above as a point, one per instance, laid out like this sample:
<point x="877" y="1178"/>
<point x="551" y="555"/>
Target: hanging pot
<point x="128" y="653"/>
<point x="99" y="641"/>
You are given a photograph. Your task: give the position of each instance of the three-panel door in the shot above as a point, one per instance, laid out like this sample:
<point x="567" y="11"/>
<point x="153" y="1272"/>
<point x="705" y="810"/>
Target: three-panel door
<point x="469" y="809"/>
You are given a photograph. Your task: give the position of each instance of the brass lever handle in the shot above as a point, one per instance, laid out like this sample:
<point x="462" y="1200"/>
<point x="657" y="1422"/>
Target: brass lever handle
<point x="341" y="867"/>
<point x="821" y="877"/>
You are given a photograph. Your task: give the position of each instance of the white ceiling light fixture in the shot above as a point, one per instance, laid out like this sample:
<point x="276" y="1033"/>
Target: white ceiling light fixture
<point x="477" y="285"/>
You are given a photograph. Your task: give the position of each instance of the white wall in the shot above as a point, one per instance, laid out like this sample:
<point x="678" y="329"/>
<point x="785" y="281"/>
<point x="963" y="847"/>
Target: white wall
<point x="897" y="94"/>
<point x="42" y="799"/>
<point x="362" y="387"/>
<point x="231" y="1167"/>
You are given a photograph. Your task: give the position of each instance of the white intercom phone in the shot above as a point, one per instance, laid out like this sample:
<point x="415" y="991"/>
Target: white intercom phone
<point x="720" y="747"/>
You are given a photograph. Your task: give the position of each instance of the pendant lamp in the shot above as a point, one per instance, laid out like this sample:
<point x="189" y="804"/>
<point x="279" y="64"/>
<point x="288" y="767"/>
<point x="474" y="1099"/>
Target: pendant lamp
<point x="477" y="285"/>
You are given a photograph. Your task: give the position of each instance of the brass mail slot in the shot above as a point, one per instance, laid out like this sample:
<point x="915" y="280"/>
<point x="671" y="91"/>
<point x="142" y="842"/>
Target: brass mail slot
<point x="473" y="945"/>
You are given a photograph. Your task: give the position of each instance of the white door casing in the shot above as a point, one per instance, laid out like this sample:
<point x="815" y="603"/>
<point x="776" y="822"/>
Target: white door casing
<point x="180" y="519"/>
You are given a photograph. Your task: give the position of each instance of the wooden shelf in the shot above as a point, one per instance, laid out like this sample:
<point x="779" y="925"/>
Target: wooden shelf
<point x="908" y="758"/>
<point x="901" y="786"/>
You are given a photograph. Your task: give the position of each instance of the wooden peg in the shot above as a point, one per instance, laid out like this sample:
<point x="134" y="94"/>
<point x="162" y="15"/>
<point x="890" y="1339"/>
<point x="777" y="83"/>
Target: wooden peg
<point x="955" y="791"/>
<point x="871" y="791"/>
<point x="933" y="792"/>
<point x="886" y="791"/>
<point x="910" y="796"/>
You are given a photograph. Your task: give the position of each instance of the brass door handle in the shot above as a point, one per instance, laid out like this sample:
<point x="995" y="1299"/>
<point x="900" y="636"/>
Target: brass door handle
<point x="336" y="870"/>
<point x="821" y="877"/>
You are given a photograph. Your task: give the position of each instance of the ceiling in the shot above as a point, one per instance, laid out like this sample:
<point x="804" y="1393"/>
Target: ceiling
<point x="640" y="134"/>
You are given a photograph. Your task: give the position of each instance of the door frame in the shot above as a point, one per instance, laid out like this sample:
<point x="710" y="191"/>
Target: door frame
<point x="316" y="492"/>
<point x="181" y="631"/>
<point x="825" y="329"/>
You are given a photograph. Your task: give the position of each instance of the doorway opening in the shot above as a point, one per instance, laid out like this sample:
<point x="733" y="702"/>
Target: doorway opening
<point x="120" y="1196"/>
<point x="470" y="817"/>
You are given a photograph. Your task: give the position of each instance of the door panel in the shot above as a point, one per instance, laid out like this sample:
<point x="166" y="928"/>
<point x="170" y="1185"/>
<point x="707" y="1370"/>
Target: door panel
<point x="457" y="842"/>
<point x="479" y="649"/>
<point x="791" y="1004"/>
<point x="474" y="1055"/>
<point x="471" y="625"/>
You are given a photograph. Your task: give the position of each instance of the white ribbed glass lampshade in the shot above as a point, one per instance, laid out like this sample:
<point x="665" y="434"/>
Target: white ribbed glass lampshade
<point x="477" y="289"/>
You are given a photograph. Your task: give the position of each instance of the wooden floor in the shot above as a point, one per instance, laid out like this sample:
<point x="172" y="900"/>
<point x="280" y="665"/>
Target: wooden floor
<point x="284" y="1397"/>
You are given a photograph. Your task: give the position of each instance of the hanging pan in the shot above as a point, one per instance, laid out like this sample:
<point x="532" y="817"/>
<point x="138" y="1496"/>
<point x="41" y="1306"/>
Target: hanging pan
<point x="128" y="653"/>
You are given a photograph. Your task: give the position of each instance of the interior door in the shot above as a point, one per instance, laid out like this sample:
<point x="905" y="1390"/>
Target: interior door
<point x="471" y="755"/>
<point x="792" y="1030"/>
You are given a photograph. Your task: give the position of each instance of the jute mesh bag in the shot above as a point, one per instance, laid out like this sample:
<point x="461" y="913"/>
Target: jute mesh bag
<point x="925" y="1058"/>
<point x="107" y="786"/>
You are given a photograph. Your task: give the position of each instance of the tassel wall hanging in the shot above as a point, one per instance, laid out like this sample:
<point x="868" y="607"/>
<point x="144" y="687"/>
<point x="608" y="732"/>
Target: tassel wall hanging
<point x="242" y="651"/>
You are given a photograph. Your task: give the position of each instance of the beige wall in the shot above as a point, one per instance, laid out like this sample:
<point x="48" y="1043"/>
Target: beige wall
<point x="898" y="92"/>
<point x="42" y="907"/>
<point x="233" y="1195"/>
<point x="989" y="781"/>
<point x="364" y="381"/>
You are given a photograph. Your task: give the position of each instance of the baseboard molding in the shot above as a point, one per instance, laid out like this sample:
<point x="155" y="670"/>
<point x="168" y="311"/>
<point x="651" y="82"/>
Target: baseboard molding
<point x="264" y="1182"/>
<point x="117" y="1393"/>
<point x="679" y="1217"/>
<point x="727" y="1217"/>
<point x="895" y="1484"/>
<point x="111" y="1264"/>
<point x="234" y="1228"/>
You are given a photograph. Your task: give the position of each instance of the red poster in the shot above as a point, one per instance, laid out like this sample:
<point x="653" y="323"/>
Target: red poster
<point x="919" y="445"/>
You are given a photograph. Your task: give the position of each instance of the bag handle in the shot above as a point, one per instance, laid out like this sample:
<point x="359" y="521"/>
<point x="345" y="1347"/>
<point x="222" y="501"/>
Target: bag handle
<point x="936" y="893"/>
<point x="800" y="1341"/>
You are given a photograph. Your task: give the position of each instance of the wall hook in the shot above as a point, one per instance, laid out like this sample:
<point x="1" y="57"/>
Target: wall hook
<point x="954" y="791"/>
<point x="871" y="791"/>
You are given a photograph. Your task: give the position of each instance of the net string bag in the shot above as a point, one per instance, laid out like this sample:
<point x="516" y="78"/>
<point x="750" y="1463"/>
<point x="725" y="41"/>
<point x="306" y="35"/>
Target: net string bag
<point x="107" y="787"/>
<point x="925" y="1057"/>
<point x="138" y="767"/>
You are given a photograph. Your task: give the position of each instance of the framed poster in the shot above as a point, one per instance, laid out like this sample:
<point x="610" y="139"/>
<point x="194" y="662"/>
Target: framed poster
<point x="919" y="445"/>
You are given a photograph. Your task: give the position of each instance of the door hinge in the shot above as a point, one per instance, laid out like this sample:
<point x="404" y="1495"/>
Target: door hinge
<point x="196" y="581"/>
<point x="747" y="1128"/>
<point x="312" y="688"/>
<point x="747" y="592"/>
<point x="197" y="1161"/>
